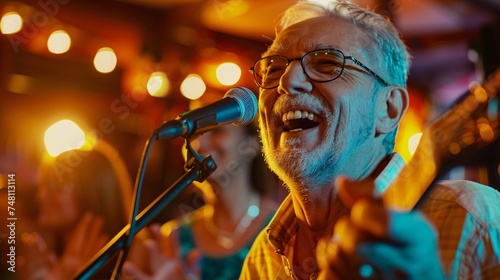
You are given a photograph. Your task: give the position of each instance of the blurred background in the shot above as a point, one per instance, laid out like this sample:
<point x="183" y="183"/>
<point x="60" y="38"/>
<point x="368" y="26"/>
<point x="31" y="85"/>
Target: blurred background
<point x="115" y="70"/>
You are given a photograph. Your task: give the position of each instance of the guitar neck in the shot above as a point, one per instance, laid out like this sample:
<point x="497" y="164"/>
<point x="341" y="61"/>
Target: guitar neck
<point x="454" y="136"/>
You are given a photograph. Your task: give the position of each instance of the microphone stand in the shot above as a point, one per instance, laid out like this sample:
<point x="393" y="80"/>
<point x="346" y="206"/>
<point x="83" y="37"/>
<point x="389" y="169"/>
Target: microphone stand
<point x="199" y="168"/>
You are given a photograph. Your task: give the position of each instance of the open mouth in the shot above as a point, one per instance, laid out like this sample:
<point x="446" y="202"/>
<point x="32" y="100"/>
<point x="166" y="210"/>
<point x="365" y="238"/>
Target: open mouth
<point x="299" y="120"/>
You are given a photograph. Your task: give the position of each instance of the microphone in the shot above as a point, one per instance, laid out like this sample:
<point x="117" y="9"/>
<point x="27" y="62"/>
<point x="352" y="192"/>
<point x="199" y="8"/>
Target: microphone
<point x="238" y="106"/>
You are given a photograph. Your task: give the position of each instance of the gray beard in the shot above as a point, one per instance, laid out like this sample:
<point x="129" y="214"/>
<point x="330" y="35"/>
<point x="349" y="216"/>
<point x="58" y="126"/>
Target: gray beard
<point x="305" y="169"/>
<point x="308" y="170"/>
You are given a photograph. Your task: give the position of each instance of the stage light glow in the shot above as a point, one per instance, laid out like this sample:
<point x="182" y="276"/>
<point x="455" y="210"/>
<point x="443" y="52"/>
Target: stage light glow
<point x="193" y="87"/>
<point x="63" y="136"/>
<point x="105" y="60"/>
<point x="228" y="73"/>
<point x="413" y="142"/>
<point x="59" y="42"/>
<point x="158" y="84"/>
<point x="11" y="23"/>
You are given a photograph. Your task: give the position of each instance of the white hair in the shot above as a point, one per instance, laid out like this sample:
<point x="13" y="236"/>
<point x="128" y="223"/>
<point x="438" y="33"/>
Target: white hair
<point x="394" y="58"/>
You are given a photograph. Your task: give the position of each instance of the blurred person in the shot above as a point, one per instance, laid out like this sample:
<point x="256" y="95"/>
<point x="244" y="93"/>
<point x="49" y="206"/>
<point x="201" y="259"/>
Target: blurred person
<point x="332" y="94"/>
<point x="84" y="200"/>
<point x="212" y="241"/>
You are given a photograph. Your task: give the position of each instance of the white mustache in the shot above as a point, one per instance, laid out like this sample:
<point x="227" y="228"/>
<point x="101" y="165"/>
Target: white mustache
<point x="307" y="102"/>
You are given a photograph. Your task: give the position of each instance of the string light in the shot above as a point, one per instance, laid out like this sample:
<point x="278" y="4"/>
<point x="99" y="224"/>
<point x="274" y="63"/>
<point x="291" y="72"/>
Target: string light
<point x="63" y="136"/>
<point x="105" y="60"/>
<point x="228" y="73"/>
<point x="158" y="84"/>
<point x="11" y="23"/>
<point x="59" y="42"/>
<point x="193" y="87"/>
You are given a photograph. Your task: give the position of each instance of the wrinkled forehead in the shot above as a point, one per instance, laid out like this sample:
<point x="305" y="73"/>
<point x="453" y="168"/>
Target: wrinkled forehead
<point x="321" y="32"/>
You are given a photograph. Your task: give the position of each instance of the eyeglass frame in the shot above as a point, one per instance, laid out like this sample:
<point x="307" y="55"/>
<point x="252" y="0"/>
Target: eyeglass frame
<point x="289" y="60"/>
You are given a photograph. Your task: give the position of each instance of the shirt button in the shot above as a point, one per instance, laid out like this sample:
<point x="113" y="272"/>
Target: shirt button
<point x="313" y="276"/>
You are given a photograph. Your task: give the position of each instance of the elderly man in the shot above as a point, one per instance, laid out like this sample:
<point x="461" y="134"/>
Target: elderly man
<point x="333" y="91"/>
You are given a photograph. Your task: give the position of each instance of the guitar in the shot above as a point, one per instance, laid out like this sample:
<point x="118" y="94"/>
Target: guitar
<point x="469" y="126"/>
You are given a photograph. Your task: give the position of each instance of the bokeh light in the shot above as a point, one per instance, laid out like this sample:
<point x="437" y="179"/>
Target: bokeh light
<point x="59" y="42"/>
<point x="193" y="87"/>
<point x="228" y="73"/>
<point x="105" y="60"/>
<point x="63" y="136"/>
<point x="413" y="142"/>
<point x="11" y="23"/>
<point x="158" y="84"/>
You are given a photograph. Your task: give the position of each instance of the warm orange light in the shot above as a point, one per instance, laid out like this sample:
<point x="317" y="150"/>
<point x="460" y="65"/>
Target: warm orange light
<point x="105" y="60"/>
<point x="59" y="42"/>
<point x="409" y="133"/>
<point x="11" y="23"/>
<point x="228" y="73"/>
<point x="63" y="136"/>
<point x="158" y="84"/>
<point x="413" y="142"/>
<point x="193" y="87"/>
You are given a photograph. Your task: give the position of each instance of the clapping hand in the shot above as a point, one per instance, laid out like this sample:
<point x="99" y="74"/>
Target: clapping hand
<point x="84" y="242"/>
<point x="165" y="260"/>
<point x="375" y="242"/>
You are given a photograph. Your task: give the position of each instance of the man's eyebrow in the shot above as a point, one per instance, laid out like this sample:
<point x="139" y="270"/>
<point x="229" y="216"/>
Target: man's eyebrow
<point x="316" y="46"/>
<point x="280" y="48"/>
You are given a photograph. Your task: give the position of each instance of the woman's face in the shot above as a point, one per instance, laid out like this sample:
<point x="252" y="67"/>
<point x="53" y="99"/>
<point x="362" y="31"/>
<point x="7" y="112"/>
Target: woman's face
<point x="59" y="209"/>
<point x="232" y="150"/>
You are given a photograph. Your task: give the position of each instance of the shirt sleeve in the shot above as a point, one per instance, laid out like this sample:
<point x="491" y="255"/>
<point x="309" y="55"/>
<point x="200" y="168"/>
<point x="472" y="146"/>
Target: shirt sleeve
<point x="466" y="216"/>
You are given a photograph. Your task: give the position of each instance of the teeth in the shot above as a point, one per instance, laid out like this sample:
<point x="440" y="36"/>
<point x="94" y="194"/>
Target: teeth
<point x="293" y="115"/>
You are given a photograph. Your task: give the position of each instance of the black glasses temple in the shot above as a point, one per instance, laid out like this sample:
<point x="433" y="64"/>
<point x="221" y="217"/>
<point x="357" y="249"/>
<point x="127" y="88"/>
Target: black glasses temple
<point x="380" y="79"/>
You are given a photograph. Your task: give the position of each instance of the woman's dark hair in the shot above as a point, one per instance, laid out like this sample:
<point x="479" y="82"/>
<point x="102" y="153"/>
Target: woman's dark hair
<point x="99" y="185"/>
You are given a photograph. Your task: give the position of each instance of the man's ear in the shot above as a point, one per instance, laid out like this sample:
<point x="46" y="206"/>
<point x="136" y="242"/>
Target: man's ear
<point x="392" y="104"/>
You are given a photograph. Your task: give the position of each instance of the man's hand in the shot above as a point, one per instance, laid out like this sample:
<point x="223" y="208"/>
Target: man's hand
<point x="376" y="242"/>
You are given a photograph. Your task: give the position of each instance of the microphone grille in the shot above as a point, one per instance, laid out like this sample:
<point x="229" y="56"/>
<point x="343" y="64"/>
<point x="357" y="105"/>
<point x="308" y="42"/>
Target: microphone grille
<point x="247" y="102"/>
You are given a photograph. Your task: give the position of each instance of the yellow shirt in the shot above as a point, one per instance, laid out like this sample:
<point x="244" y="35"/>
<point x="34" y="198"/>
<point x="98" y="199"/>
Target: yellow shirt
<point x="465" y="214"/>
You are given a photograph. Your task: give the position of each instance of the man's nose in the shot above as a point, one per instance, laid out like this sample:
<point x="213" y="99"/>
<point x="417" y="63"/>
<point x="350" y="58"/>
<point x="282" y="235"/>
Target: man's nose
<point x="294" y="80"/>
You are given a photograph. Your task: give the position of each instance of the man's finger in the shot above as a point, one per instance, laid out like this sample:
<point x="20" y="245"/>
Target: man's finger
<point x="370" y="216"/>
<point x="351" y="191"/>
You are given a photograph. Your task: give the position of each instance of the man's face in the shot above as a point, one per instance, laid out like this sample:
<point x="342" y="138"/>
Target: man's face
<point x="339" y="139"/>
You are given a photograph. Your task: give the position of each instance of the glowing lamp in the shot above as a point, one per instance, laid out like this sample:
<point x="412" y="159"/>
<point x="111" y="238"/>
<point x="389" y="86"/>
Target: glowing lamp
<point x="105" y="60"/>
<point x="11" y="23"/>
<point x="158" y="84"/>
<point x="193" y="87"/>
<point x="228" y="73"/>
<point x="63" y="136"/>
<point x="59" y="42"/>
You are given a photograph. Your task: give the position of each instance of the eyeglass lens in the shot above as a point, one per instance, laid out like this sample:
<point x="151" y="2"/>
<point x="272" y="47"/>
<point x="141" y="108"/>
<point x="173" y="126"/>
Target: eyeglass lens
<point x="319" y="65"/>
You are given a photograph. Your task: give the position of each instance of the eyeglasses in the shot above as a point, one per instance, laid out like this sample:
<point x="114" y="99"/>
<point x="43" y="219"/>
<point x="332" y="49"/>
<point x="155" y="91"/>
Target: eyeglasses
<point x="321" y="66"/>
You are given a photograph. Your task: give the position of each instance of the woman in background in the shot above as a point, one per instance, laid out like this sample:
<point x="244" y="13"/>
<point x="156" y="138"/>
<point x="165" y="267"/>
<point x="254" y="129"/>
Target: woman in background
<point x="84" y="200"/>
<point x="213" y="241"/>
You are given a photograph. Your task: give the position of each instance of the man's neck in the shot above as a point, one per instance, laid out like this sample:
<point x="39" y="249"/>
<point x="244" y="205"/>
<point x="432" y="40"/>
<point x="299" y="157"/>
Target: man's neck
<point x="318" y="210"/>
